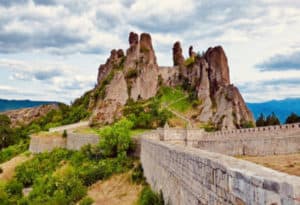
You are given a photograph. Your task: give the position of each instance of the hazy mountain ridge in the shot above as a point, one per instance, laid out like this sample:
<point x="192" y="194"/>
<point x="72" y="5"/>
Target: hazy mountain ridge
<point x="282" y="108"/>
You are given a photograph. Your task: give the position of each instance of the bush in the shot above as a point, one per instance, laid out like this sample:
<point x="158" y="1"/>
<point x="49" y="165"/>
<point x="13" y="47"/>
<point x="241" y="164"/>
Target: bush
<point x="61" y="187"/>
<point x="65" y="134"/>
<point x="189" y="61"/>
<point x="132" y="73"/>
<point x="14" y="188"/>
<point x="40" y="165"/>
<point x="148" y="197"/>
<point x="13" y="150"/>
<point x="138" y="175"/>
<point x="115" y="140"/>
<point x="86" y="201"/>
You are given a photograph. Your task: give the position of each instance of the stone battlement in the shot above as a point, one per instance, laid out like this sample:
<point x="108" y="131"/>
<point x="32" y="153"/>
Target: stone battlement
<point x="281" y="139"/>
<point x="188" y="176"/>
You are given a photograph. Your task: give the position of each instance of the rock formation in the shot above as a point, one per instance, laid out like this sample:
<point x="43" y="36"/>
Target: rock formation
<point x="135" y="75"/>
<point x="27" y="115"/>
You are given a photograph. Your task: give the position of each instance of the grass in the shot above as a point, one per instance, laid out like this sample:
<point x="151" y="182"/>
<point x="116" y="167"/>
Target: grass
<point x="175" y="98"/>
<point x="48" y="134"/>
<point x="137" y="132"/>
<point x="289" y="163"/>
<point x="9" y="166"/>
<point x="116" y="190"/>
<point x="85" y="130"/>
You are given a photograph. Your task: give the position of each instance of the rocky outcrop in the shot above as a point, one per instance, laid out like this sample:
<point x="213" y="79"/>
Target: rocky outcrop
<point x="208" y="75"/>
<point x="135" y="75"/>
<point x="178" y="58"/>
<point x="27" y="115"/>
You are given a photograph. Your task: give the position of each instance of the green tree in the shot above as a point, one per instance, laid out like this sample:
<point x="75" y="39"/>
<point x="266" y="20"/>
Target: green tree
<point x="115" y="140"/>
<point x="272" y="120"/>
<point x="292" y="118"/>
<point x="261" y="120"/>
<point x="6" y="132"/>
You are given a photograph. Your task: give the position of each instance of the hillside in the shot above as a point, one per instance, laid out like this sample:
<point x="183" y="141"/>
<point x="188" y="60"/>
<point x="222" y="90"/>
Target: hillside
<point x="6" y="105"/>
<point x="282" y="108"/>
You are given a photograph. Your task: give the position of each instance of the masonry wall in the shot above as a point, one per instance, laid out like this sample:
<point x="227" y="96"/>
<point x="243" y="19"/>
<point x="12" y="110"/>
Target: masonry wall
<point x="44" y="144"/>
<point x="73" y="141"/>
<point x="283" y="139"/>
<point x="76" y="141"/>
<point x="189" y="176"/>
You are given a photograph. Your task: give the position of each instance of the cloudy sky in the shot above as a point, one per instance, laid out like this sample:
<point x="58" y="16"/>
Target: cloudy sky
<point x="51" y="49"/>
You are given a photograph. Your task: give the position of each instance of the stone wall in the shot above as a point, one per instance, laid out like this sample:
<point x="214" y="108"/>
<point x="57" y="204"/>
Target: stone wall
<point x="76" y="141"/>
<point x="189" y="176"/>
<point x="281" y="139"/>
<point x="40" y="144"/>
<point x="73" y="141"/>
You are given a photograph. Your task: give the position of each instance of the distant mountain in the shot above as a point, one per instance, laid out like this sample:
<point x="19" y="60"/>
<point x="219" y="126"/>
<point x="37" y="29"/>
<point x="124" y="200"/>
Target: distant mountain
<point x="282" y="108"/>
<point x="6" y="105"/>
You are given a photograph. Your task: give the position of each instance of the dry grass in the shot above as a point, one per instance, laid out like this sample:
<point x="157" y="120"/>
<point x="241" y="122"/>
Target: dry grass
<point x="48" y="134"/>
<point x="117" y="190"/>
<point x="289" y="163"/>
<point x="85" y="130"/>
<point x="9" y="166"/>
<point x="176" y="122"/>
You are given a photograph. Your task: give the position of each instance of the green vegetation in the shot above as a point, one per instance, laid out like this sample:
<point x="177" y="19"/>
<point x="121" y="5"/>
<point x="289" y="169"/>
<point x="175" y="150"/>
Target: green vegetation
<point x="132" y="73"/>
<point x="176" y="98"/>
<point x="270" y="120"/>
<point x="13" y="150"/>
<point x="148" y="197"/>
<point x="189" y="61"/>
<point x="86" y="201"/>
<point x="247" y="124"/>
<point x="209" y="127"/>
<point x="146" y="114"/>
<point x="62" y="176"/>
<point x="115" y="140"/>
<point x="100" y="90"/>
<point x="292" y="118"/>
<point x="65" y="134"/>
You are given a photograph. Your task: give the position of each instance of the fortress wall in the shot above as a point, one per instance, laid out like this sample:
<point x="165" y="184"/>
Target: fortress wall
<point x="43" y="144"/>
<point x="189" y="176"/>
<point x="283" y="139"/>
<point x="76" y="141"/>
<point x="73" y="141"/>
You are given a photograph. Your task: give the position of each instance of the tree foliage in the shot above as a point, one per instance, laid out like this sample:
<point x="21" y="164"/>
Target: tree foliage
<point x="271" y="119"/>
<point x="292" y="118"/>
<point x="115" y="139"/>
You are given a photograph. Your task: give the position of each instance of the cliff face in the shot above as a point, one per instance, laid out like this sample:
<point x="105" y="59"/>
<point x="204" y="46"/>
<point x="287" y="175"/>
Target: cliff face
<point x="136" y="75"/>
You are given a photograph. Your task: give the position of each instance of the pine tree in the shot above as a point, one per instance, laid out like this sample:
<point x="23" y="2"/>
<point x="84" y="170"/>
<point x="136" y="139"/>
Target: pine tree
<point x="292" y="118"/>
<point x="260" y="120"/>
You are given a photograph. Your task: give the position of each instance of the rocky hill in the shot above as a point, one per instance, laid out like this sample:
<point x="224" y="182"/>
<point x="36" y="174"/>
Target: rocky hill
<point x="27" y="115"/>
<point x="135" y="75"/>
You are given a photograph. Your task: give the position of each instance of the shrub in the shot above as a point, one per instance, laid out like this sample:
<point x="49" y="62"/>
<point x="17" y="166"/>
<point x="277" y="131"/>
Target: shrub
<point x="138" y="175"/>
<point x="86" y="201"/>
<point x="13" y="150"/>
<point x="148" y="197"/>
<point x="14" y="188"/>
<point x="132" y="73"/>
<point x="65" y="134"/>
<point x="189" y="61"/>
<point x="115" y="140"/>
